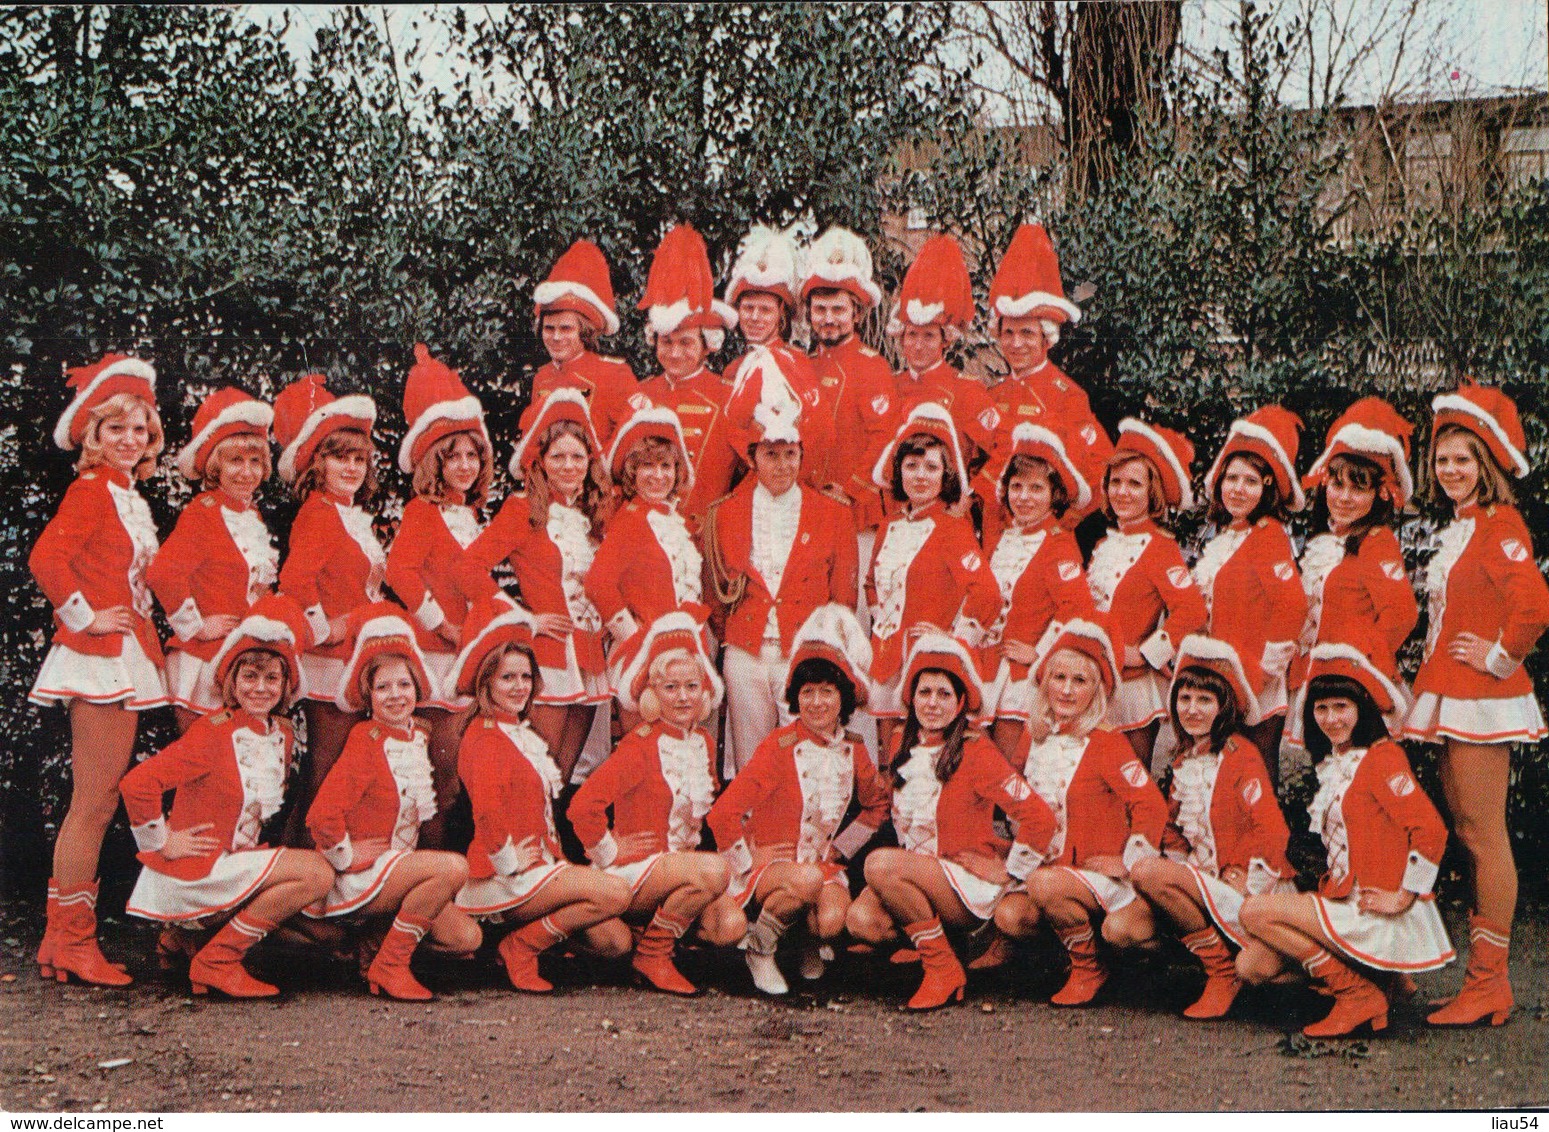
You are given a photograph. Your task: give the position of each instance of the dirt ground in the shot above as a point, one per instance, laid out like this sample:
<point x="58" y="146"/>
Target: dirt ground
<point x="599" y="1044"/>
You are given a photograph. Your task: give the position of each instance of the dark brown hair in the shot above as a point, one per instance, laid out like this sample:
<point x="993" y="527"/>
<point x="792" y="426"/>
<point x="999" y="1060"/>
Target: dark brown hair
<point x="1228" y="720"/>
<point x="1369" y="724"/>
<point x="1021" y="465"/>
<point x="1269" y="503"/>
<point x="1364" y="475"/>
<point x="917" y="444"/>
<point x="950" y="757"/>
<point x="594" y="488"/>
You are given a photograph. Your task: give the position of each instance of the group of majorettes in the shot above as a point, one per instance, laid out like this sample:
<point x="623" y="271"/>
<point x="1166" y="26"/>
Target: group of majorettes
<point x="836" y="550"/>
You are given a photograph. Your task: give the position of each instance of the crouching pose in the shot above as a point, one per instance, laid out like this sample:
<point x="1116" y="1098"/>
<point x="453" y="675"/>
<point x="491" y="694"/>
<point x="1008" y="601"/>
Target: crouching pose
<point x="778" y="818"/>
<point x="518" y="875"/>
<point x="948" y="779"/>
<point x="206" y="863"/>
<point x="1374" y="906"/>
<point x="660" y="783"/>
<point x="368" y="812"/>
<point x="1108" y="813"/>
<point x="1227" y="837"/>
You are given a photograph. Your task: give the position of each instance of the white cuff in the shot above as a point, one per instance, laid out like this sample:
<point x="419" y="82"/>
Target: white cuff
<point x="852" y="839"/>
<point x="1420" y="874"/>
<point x="1176" y="855"/>
<point x="341" y="856"/>
<point x="430" y="614"/>
<point x="186" y="621"/>
<point x="1157" y="649"/>
<point x="1500" y="662"/>
<point x="1022" y="860"/>
<point x="151" y="836"/>
<point x="739" y="858"/>
<point x="1137" y="848"/>
<point x="76" y="614"/>
<point x="604" y="852"/>
<point x="623" y="625"/>
<point x="1261" y="878"/>
<point x="969" y="631"/>
<point x="505" y="859"/>
<point x="1277" y="657"/>
<point x="317" y="620"/>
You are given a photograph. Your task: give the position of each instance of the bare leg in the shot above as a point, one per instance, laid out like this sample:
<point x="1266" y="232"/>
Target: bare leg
<point x="576" y="899"/>
<point x="1170" y="887"/>
<point x="299" y="878"/>
<point x="101" y="745"/>
<point x="914" y="887"/>
<point x="681" y="884"/>
<point x="868" y="921"/>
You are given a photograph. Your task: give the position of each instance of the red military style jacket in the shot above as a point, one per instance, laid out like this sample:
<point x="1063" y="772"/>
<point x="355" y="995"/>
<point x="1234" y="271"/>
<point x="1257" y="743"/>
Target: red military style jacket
<point x="633" y="782"/>
<point x="1363" y="600"/>
<point x="1110" y="805"/>
<point x="700" y="402"/>
<point x="511" y="793"/>
<point x="424" y="566"/>
<point x="857" y="383"/>
<point x="1255" y="594"/>
<point x="362" y="799"/>
<point x="612" y="391"/>
<point x="1136" y="575"/>
<point x="1050" y="587"/>
<point x="334" y="565"/>
<point x="1222" y="814"/>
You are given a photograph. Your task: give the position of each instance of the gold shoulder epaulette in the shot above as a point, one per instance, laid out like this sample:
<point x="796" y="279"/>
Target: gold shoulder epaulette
<point x="789" y="739"/>
<point x="221" y="718"/>
<point x="643" y="730"/>
<point x="208" y="501"/>
<point x="376" y="732"/>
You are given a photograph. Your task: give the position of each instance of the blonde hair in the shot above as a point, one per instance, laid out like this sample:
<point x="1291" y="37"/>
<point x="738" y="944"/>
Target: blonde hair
<point x="653" y="448"/>
<point x="339" y="443"/>
<point x="1494" y="487"/>
<point x="430" y="473"/>
<point x="238" y="445"/>
<point x="246" y="658"/>
<point x="651" y="705"/>
<point x="1040" y="716"/>
<point x="120" y="405"/>
<point x="368" y="673"/>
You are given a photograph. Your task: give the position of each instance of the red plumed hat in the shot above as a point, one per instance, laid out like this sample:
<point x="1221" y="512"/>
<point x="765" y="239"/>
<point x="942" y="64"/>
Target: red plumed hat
<point x="1272" y="434"/>
<point x="490" y="623"/>
<point x="1200" y="651"/>
<point x="1090" y="638"/>
<point x="839" y="260"/>
<point x="305" y="413"/>
<point x="225" y="413"/>
<point x="680" y="291"/>
<point x="1372" y="429"/>
<point x="1027" y="283"/>
<point x="579" y="282"/>
<point x="1491" y="416"/>
<point x="936" y="291"/>
<point x="101" y="381"/>
<point x="436" y="405"/>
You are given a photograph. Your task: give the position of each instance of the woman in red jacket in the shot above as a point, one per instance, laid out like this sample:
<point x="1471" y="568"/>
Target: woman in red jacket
<point x="927" y="573"/>
<point x="334" y="564"/>
<point x="549" y="536"/>
<point x="647" y="564"/>
<point x="1037" y="563"/>
<point x="778" y="821"/>
<point x="220" y="558"/>
<point x="206" y="863"/>
<point x="1226" y="837"/>
<point x="517" y="872"/>
<point x="367" y="815"/>
<point x="105" y="661"/>
<point x="1352" y="566"/>
<point x="1138" y="578"/>
<point x="1247" y="572"/>
<point x="1374" y="907"/>
<point x="447" y="451"/>
<point x="1488" y="607"/>
<point x="1108" y="814"/>
<point x="660" y="783"/>
<point x="951" y="868"/>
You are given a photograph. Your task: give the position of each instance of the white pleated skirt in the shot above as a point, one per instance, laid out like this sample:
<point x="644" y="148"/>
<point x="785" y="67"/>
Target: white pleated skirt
<point x="1224" y="903"/>
<point x="131" y="678"/>
<point x="564" y="687"/>
<point x="634" y="873"/>
<point x="1414" y="941"/>
<point x="1005" y="698"/>
<point x="323" y="675"/>
<point x="1516" y="719"/>
<point x="1111" y="894"/>
<point x="233" y="881"/>
<point x="493" y="897"/>
<point x="353" y="891"/>
<point x="978" y="895"/>
<point x="191" y="682"/>
<point x="1138" y="702"/>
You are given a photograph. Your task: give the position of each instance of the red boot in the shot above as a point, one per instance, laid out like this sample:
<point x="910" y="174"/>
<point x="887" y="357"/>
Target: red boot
<point x="75" y="941"/>
<point x="389" y="972"/>
<point x="1087" y="974"/>
<point x="1486" y="988"/>
<point x="653" y="955"/>
<point x="520" y="951"/>
<point x="50" y="932"/>
<point x="219" y="962"/>
<point x="944" y="975"/>
<point x="1221" y="984"/>
<point x="1357" y="1000"/>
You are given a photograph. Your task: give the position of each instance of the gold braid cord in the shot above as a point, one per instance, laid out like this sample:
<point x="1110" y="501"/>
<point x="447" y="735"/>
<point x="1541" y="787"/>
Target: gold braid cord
<point x="729" y="590"/>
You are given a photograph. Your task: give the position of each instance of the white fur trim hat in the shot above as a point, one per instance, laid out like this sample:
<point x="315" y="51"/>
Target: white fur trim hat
<point x="101" y="381"/>
<point x="839" y="260"/>
<point x="225" y="413"/>
<point x="928" y="419"/>
<point x="833" y="633"/>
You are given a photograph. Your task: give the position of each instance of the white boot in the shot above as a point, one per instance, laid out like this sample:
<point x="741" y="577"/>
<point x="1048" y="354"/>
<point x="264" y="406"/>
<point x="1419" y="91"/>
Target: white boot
<point x="759" y="948"/>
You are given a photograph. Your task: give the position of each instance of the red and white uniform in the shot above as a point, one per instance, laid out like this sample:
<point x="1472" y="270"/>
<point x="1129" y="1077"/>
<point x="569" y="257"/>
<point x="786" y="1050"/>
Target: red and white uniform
<point x="1254" y="601"/>
<point x="1041" y="581"/>
<point x="219" y="560"/>
<point x="94" y="555"/>
<point x="1362" y="600"/>
<point x="611" y="388"/>
<point x="550" y="564"/>
<point x="794" y="793"/>
<point x="700" y="402"/>
<point x="1138" y="579"/>
<point x="646" y="566"/>
<point x="423" y="568"/>
<point x="926" y="569"/>
<point x="817" y="416"/>
<point x="334" y="566"/>
<point x="380" y="788"/>
<point x="857" y="384"/>
<point x="1104" y="805"/>
<point x="968" y="401"/>
<point x="1483" y="580"/>
<point x="943" y="819"/>
<point x="1381" y="832"/>
<point x="512" y="783"/>
<point x="1223" y="815"/>
<point x="659" y="780"/>
<point x="790" y="553"/>
<point x="229" y="772"/>
<point x="1046" y="396"/>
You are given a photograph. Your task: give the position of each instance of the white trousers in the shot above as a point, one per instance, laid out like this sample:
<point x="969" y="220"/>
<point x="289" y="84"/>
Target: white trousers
<point x="755" y="702"/>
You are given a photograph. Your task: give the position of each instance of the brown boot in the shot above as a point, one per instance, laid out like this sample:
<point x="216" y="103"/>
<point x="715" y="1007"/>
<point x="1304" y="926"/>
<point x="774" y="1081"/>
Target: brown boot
<point x="520" y="951"/>
<point x="653" y="954"/>
<point x="75" y="941"/>
<point x="219" y="962"/>
<point x="176" y="946"/>
<point x="1357" y="1001"/>
<point x="1486" y="988"/>
<point x="944" y="975"/>
<point x="389" y="972"/>
<point x="1087" y="973"/>
<point x="1221" y="984"/>
<point x="997" y="954"/>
